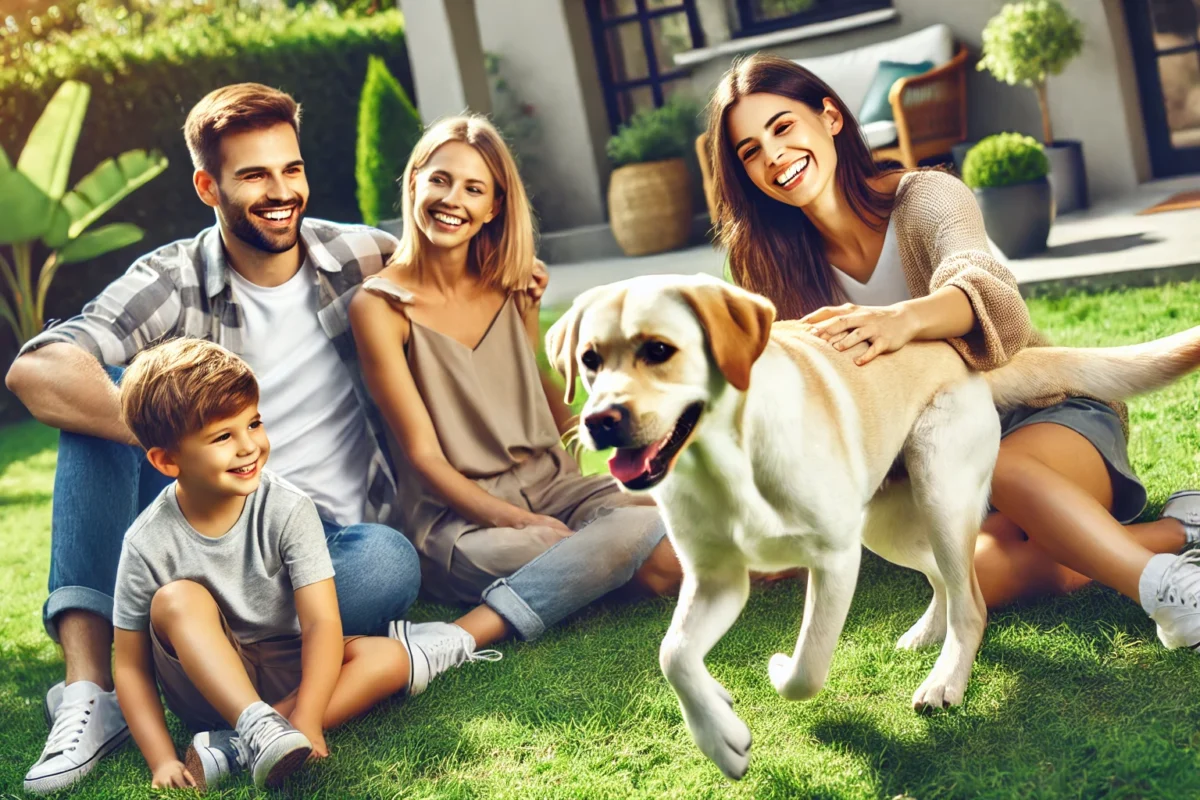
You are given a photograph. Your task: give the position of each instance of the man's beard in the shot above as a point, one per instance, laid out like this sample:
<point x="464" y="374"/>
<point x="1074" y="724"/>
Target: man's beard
<point x="242" y="225"/>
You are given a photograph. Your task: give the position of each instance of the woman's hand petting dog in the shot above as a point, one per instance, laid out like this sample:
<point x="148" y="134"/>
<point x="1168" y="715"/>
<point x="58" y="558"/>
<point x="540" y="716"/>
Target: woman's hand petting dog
<point x="885" y="328"/>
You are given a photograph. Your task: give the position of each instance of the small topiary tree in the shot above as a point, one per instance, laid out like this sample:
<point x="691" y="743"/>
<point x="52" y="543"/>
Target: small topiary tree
<point x="388" y="129"/>
<point x="1004" y="159"/>
<point x="1028" y="42"/>
<point x="656" y="134"/>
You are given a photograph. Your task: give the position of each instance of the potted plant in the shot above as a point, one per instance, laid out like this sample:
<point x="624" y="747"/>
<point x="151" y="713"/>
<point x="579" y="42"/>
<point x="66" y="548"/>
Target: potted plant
<point x="1025" y="44"/>
<point x="1008" y="174"/>
<point x="40" y="218"/>
<point x="649" y="193"/>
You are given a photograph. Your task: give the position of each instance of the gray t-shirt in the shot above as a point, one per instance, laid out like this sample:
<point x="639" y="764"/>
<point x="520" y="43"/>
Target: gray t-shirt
<point x="276" y="547"/>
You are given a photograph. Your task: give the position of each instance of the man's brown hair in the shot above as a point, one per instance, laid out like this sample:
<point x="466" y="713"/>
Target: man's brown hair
<point x="233" y="109"/>
<point x="174" y="389"/>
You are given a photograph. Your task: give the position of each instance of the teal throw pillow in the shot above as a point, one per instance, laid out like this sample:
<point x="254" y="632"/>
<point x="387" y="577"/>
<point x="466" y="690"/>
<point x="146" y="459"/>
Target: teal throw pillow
<point x="876" y="107"/>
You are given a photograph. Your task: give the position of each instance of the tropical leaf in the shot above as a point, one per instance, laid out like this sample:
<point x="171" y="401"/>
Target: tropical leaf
<point x="25" y="210"/>
<point x="46" y="159"/>
<point x="108" y="184"/>
<point x="100" y="241"/>
<point x="5" y="164"/>
<point x="58" y="233"/>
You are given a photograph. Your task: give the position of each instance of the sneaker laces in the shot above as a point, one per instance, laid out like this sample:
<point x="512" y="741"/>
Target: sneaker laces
<point x="262" y="732"/>
<point x="1180" y="584"/>
<point x="444" y="653"/>
<point x="69" y="722"/>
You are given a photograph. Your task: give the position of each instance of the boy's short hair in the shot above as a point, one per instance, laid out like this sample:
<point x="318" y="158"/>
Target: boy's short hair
<point x="174" y="389"/>
<point x="233" y="109"/>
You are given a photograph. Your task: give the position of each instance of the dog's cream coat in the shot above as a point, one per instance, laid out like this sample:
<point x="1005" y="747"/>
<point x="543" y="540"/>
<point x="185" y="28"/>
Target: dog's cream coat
<point x="788" y="466"/>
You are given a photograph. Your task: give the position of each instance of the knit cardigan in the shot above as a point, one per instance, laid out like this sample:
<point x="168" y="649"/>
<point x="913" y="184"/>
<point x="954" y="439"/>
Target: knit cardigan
<point x="942" y="242"/>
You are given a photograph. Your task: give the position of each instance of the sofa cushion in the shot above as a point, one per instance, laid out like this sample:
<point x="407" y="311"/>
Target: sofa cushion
<point x="880" y="133"/>
<point x="876" y="106"/>
<point x="850" y="73"/>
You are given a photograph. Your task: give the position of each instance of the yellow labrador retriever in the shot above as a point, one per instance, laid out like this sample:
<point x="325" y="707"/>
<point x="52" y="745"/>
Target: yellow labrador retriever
<point x="767" y="449"/>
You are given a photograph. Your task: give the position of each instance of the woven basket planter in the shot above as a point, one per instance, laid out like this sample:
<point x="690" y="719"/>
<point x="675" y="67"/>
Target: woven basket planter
<point x="650" y="206"/>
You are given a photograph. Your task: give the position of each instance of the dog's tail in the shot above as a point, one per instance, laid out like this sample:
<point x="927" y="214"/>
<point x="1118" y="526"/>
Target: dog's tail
<point x="1105" y="373"/>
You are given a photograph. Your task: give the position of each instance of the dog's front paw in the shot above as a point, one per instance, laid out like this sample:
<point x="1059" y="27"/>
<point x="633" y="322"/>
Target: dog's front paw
<point x="940" y="690"/>
<point x="720" y="734"/>
<point x="788" y="681"/>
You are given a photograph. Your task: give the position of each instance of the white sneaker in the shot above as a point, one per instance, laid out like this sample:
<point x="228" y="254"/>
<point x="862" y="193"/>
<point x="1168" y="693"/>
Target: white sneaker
<point x="1170" y="593"/>
<point x="213" y="758"/>
<point x="269" y="746"/>
<point x="54" y="697"/>
<point x="1185" y="507"/>
<point x="434" y="647"/>
<point x="88" y="725"/>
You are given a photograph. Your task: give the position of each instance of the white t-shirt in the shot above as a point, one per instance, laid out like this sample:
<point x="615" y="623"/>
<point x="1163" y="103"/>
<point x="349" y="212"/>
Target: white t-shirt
<point x="318" y="431"/>
<point x="886" y="286"/>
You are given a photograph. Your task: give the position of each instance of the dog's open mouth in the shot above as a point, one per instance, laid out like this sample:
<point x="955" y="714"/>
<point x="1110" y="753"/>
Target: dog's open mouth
<point x="643" y="467"/>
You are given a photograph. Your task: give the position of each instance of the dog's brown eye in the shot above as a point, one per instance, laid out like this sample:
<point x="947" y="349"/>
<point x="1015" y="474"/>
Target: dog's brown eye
<point x="654" y="352"/>
<point x="591" y="360"/>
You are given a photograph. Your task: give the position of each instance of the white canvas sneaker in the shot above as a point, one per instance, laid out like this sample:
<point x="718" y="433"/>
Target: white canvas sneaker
<point x="1170" y="592"/>
<point x="433" y="648"/>
<point x="213" y="758"/>
<point x="88" y="725"/>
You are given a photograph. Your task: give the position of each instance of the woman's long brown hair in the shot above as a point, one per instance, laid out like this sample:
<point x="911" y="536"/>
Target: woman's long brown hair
<point x="773" y="248"/>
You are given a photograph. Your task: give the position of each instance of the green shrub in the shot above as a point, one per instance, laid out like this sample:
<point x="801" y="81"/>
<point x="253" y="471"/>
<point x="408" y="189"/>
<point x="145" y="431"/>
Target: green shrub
<point x="388" y="129"/>
<point x="656" y="134"/>
<point x="142" y="89"/>
<point x="1028" y="42"/>
<point x="1004" y="159"/>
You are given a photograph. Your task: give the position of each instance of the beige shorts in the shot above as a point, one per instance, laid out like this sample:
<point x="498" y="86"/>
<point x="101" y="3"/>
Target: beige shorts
<point x="273" y="666"/>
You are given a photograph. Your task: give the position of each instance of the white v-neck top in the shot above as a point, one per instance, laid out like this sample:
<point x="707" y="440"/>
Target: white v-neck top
<point x="886" y="286"/>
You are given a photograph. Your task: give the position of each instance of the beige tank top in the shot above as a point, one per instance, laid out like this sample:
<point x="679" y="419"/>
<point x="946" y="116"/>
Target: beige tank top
<point x="487" y="404"/>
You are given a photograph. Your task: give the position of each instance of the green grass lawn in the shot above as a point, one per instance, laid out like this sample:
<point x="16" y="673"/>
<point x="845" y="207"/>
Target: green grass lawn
<point x="1071" y="697"/>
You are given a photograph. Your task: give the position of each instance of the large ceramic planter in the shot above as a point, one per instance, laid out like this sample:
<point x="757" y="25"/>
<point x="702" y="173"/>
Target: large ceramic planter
<point x="1018" y="217"/>
<point x="650" y="206"/>
<point x="1068" y="177"/>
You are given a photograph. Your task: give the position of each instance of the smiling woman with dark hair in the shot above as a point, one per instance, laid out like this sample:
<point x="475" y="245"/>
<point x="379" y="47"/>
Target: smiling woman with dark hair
<point x="875" y="259"/>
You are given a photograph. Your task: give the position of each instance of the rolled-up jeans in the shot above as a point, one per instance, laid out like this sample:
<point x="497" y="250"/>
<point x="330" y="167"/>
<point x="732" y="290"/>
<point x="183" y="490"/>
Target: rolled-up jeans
<point x="100" y="487"/>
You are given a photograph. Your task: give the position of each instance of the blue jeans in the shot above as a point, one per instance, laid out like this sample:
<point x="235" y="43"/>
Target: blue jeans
<point x="99" y="489"/>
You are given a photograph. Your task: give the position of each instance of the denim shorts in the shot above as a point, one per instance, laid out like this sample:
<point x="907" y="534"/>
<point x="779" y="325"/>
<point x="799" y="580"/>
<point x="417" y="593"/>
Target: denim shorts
<point x="1101" y="426"/>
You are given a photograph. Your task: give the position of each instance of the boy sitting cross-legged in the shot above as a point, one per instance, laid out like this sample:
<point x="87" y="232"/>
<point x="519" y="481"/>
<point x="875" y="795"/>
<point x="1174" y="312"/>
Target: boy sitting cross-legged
<point x="225" y="588"/>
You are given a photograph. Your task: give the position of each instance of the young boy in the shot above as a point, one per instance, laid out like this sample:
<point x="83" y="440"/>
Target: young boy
<point x="225" y="588"/>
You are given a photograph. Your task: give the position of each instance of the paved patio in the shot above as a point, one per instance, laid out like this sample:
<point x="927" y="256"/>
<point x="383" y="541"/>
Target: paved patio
<point x="1107" y="245"/>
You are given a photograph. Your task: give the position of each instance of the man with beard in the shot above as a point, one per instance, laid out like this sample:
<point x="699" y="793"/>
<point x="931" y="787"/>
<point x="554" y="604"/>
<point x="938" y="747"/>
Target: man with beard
<point x="273" y="287"/>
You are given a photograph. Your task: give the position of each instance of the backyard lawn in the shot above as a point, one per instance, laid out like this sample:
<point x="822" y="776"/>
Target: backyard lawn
<point x="1072" y="697"/>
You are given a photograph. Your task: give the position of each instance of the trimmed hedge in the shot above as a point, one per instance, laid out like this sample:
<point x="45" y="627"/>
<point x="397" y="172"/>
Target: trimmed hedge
<point x="143" y="87"/>
<point x="388" y="130"/>
<point x="1004" y="159"/>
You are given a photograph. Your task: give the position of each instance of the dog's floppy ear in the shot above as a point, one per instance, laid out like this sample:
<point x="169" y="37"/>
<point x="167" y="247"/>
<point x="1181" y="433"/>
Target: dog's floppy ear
<point x="561" y="341"/>
<point x="737" y="323"/>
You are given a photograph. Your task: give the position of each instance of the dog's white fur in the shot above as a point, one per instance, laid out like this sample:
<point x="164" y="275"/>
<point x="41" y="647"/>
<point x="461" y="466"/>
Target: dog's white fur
<point x="789" y="463"/>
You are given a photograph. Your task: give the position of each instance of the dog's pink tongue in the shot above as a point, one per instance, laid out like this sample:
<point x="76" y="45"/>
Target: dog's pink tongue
<point x="626" y="465"/>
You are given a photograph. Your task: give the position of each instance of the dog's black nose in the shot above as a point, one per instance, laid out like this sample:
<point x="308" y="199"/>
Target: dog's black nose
<point x="609" y="428"/>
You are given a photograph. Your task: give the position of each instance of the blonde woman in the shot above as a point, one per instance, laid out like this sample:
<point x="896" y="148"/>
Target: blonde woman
<point x="447" y="337"/>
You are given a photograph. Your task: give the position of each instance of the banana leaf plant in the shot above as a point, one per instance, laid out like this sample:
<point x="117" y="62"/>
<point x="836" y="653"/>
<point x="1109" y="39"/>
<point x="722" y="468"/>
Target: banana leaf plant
<point x="35" y="206"/>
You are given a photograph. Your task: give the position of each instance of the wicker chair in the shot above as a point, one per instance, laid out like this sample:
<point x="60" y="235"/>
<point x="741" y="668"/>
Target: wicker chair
<point x="930" y="111"/>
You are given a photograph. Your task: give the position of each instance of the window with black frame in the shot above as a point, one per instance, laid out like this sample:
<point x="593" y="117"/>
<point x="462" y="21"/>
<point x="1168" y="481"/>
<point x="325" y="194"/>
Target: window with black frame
<point x="636" y="42"/>
<point x="762" y="16"/>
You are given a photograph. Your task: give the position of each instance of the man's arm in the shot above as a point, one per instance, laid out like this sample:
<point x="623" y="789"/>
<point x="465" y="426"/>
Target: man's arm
<point x="65" y="387"/>
<point x="59" y="374"/>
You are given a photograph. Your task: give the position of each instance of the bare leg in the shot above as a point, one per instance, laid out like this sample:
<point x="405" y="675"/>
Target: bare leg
<point x="1052" y="485"/>
<point x="661" y="573"/>
<point x="485" y="625"/>
<point x="87" y="640"/>
<point x="186" y="619"/>
<point x="373" y="669"/>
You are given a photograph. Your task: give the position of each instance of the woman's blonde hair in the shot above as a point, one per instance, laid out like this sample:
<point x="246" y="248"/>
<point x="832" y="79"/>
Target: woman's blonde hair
<point x="503" y="250"/>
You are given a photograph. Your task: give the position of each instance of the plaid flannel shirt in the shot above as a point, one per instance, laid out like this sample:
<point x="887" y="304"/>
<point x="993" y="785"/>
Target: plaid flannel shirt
<point x="183" y="290"/>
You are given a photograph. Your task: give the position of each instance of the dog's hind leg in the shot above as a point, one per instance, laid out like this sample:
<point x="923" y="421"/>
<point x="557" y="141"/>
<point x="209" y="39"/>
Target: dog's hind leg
<point x="950" y="455"/>
<point x="710" y="600"/>
<point x="897" y="530"/>
<point x="831" y="586"/>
